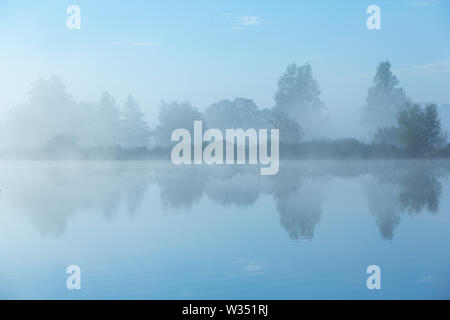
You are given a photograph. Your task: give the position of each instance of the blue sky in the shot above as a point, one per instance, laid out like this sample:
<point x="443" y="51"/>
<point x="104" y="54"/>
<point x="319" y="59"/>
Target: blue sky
<point x="203" y="51"/>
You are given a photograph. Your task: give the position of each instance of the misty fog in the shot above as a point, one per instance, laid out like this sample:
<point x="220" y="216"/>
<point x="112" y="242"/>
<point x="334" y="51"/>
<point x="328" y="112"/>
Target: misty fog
<point x="53" y="121"/>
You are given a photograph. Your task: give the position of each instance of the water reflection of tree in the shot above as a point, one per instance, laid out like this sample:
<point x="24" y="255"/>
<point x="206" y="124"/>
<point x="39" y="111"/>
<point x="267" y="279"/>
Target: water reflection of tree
<point x="298" y="201"/>
<point x="134" y="182"/>
<point x="240" y="189"/>
<point x="383" y="204"/>
<point x="180" y="187"/>
<point x="50" y="194"/>
<point x="420" y="190"/>
<point x="411" y="188"/>
<point x="300" y="211"/>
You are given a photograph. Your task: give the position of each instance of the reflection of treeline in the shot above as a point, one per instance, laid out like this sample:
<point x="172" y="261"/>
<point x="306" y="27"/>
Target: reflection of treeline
<point x="51" y="193"/>
<point x="407" y="189"/>
<point x="55" y="125"/>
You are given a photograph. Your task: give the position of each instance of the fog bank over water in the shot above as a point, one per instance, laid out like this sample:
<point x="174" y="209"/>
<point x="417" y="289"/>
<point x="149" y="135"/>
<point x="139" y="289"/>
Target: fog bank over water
<point x="51" y="119"/>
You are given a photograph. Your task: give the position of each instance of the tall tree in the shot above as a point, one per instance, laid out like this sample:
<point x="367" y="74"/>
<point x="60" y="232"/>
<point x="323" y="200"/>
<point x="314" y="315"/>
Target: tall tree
<point x="385" y="99"/>
<point x="134" y="128"/>
<point x="175" y="115"/>
<point x="49" y="111"/>
<point x="108" y="120"/>
<point x="298" y="96"/>
<point x="435" y="135"/>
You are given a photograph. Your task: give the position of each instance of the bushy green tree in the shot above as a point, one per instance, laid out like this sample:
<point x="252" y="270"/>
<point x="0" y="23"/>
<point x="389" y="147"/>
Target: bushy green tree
<point x="420" y="129"/>
<point x="239" y="113"/>
<point x="290" y="130"/>
<point x="298" y="96"/>
<point x="387" y="135"/>
<point x="175" y="115"/>
<point x="385" y="99"/>
<point x="49" y="111"/>
<point x="298" y="91"/>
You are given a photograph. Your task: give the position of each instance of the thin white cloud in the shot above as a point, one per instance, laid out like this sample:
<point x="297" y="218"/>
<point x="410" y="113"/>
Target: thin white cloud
<point x="434" y="68"/>
<point x="136" y="44"/>
<point x="250" y="267"/>
<point x="244" y="22"/>
<point x="250" y="21"/>
<point x="430" y="3"/>
<point x="438" y="67"/>
<point x="253" y="268"/>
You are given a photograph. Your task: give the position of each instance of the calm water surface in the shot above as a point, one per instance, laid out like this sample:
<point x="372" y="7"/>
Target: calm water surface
<point x="150" y="230"/>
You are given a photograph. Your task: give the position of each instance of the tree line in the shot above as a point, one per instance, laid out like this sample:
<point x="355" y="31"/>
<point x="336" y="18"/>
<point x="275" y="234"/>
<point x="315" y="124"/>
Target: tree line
<point x="52" y="121"/>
